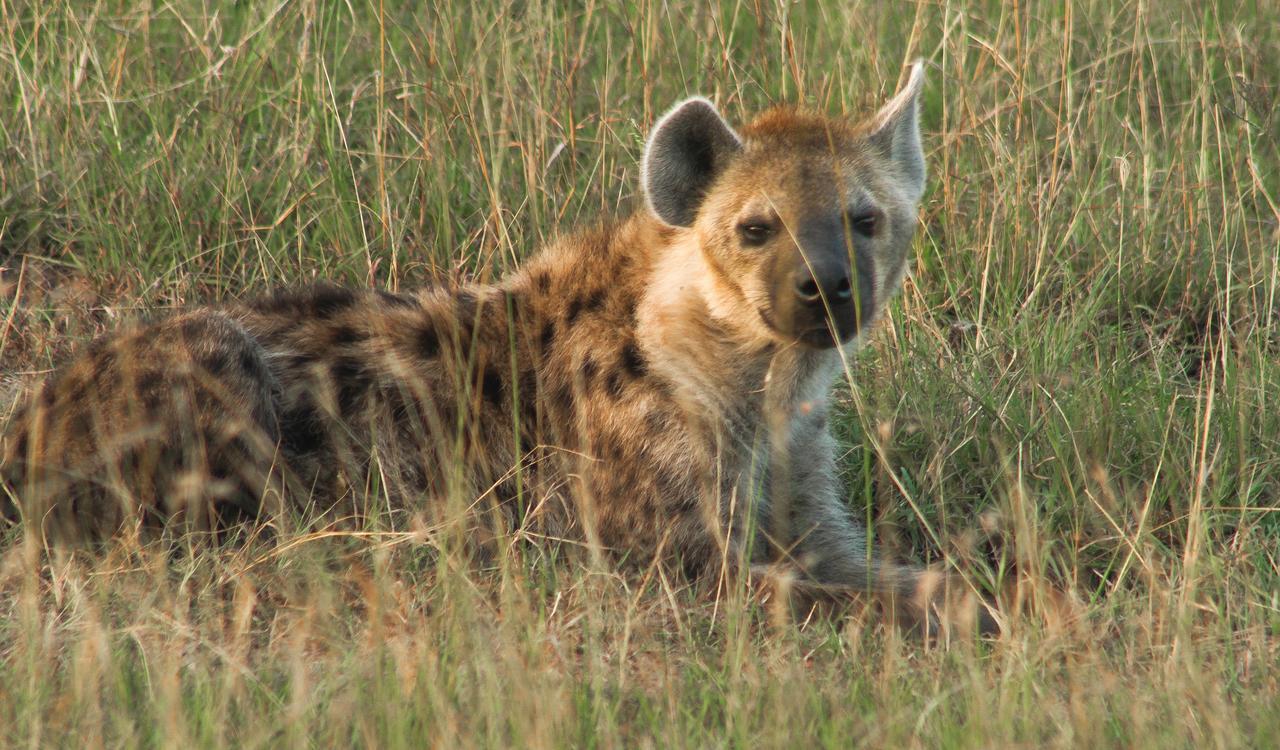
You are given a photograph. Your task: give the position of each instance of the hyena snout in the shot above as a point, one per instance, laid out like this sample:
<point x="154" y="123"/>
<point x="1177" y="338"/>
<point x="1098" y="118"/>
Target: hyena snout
<point x="827" y="285"/>
<point x="825" y="294"/>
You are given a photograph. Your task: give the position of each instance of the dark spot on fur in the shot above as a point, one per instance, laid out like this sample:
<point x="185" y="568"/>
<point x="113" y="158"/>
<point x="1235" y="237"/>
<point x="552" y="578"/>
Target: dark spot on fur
<point x="428" y="341"/>
<point x="48" y="395"/>
<point x="20" y="445"/>
<point x="592" y="302"/>
<point x="658" y="421"/>
<point x="76" y="386"/>
<point x="321" y="301"/>
<point x="215" y="363"/>
<point x="236" y="510"/>
<point x="101" y="379"/>
<point x="575" y="307"/>
<point x="693" y="564"/>
<point x="81" y="426"/>
<point x="491" y="386"/>
<point x="97" y="346"/>
<point x="252" y="365"/>
<point x="632" y="361"/>
<point x="609" y="447"/>
<point x="151" y="386"/>
<point x="172" y="455"/>
<point x="508" y="492"/>
<point x="301" y="429"/>
<point x="525" y="443"/>
<point x="413" y="477"/>
<point x="466" y="304"/>
<point x="346" y="335"/>
<point x="351" y="381"/>
<point x="548" y="336"/>
<point x="527" y="383"/>
<point x="298" y="362"/>
<point x="194" y="329"/>
<point x="513" y="305"/>
<point x="562" y="399"/>
<point x="528" y="395"/>
<point x="588" y="369"/>
<point x="403" y="405"/>
<point x="105" y="360"/>
<point x="328" y="300"/>
<point x="613" y="385"/>
<point x="280" y="303"/>
<point x="542" y="280"/>
<point x="395" y="300"/>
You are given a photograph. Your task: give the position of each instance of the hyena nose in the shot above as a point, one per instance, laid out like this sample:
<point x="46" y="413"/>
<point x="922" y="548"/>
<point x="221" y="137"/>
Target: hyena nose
<point x="834" y="287"/>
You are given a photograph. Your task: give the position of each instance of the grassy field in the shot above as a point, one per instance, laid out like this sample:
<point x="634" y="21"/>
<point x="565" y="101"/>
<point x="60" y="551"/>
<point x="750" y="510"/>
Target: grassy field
<point x="1076" y="398"/>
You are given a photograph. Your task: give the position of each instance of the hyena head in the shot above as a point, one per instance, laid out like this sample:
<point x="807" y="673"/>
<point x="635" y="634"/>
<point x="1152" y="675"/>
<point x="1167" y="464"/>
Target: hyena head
<point x="804" y="221"/>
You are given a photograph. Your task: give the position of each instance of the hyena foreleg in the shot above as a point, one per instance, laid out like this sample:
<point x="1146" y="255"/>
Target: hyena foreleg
<point x="830" y="548"/>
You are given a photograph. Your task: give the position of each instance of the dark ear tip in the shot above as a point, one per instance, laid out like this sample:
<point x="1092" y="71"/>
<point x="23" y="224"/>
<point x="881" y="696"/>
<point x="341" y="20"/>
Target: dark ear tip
<point x="695" y="102"/>
<point x="694" y="112"/>
<point x="701" y="106"/>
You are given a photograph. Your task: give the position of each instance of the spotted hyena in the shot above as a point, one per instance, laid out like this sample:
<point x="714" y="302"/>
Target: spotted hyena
<point x="656" y="386"/>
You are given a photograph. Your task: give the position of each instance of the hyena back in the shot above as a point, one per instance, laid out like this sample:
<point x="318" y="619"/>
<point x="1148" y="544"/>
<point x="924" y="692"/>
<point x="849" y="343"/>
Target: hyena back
<point x="657" y="386"/>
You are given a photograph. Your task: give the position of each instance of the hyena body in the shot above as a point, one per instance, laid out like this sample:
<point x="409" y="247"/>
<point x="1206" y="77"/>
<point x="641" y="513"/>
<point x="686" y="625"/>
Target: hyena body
<point x="657" y="387"/>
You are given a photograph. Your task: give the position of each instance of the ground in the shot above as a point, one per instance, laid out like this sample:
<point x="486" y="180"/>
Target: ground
<point x="1074" y="399"/>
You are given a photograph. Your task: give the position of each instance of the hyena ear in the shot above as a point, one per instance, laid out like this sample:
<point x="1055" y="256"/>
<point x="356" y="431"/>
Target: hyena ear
<point x="687" y="149"/>
<point x="895" y="131"/>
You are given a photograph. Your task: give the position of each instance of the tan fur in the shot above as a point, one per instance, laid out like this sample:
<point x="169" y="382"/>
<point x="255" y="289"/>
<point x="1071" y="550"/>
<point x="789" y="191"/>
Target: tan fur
<point x="626" y="386"/>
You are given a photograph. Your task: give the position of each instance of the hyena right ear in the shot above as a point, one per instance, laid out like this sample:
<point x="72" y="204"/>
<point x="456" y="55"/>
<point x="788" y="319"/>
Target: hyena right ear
<point x="895" y="130"/>
<point x="687" y="149"/>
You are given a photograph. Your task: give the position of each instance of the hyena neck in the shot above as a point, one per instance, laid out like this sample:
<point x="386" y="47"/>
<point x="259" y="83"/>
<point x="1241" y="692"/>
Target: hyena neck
<point x="711" y="348"/>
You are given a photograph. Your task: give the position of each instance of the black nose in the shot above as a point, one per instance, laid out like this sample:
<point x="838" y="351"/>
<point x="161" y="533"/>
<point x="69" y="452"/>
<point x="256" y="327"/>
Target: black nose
<point x="834" y="286"/>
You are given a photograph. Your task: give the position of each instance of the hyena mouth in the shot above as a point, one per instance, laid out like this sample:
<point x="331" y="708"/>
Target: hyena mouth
<point x="825" y="335"/>
<point x="824" y="338"/>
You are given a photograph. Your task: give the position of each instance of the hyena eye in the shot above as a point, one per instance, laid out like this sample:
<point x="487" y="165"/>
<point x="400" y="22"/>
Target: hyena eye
<point x="865" y="224"/>
<point x="755" y="232"/>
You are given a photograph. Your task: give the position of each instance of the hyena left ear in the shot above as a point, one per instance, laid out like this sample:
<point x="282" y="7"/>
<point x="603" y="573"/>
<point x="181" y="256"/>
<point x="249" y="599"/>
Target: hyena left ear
<point x="895" y="131"/>
<point x="687" y="150"/>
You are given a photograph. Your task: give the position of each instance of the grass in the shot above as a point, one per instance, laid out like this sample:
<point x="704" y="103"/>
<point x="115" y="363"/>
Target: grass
<point x="1076" y="396"/>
